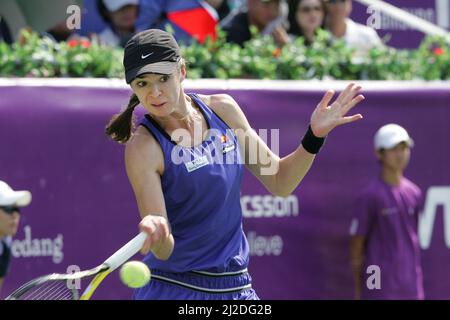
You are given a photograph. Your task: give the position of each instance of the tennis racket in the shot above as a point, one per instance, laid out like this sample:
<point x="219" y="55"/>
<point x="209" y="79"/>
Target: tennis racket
<point x="68" y="286"/>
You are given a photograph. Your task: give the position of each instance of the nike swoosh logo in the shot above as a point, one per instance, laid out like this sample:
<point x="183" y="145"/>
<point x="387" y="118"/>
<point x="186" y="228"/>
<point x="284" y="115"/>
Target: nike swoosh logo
<point x="147" y="55"/>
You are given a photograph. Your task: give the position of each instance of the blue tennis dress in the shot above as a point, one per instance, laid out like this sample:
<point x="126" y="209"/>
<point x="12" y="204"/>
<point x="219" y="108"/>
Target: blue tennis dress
<point x="201" y="187"/>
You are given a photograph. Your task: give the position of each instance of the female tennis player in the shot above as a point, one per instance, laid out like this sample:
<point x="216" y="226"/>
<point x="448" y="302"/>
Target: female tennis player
<point x="185" y="162"/>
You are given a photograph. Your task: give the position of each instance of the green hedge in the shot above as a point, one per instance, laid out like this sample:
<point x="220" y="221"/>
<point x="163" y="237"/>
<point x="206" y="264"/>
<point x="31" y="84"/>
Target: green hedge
<point x="260" y="58"/>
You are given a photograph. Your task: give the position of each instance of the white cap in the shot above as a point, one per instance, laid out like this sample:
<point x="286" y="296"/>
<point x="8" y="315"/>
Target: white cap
<point x="114" y="5"/>
<point x="9" y="197"/>
<point x="389" y="135"/>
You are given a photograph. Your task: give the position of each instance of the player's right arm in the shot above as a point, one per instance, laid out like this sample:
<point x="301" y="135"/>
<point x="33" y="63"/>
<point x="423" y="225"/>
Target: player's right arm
<point x="356" y="261"/>
<point x="144" y="162"/>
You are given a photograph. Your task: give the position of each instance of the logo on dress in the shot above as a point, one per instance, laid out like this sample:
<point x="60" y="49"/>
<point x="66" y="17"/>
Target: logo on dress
<point x="197" y="163"/>
<point x="226" y="145"/>
<point x="223" y="139"/>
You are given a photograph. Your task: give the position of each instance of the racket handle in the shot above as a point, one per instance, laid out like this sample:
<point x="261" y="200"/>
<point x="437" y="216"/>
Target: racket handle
<point x="126" y="252"/>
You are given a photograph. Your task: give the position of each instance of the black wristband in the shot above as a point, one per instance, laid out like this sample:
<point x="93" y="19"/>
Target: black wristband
<point x="311" y="143"/>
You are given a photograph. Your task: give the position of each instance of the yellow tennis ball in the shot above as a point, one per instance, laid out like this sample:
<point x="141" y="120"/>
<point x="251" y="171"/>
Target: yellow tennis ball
<point x="135" y="274"/>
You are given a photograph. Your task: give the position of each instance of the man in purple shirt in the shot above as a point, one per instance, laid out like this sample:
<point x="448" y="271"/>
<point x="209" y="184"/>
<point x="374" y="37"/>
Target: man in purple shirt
<point x="384" y="245"/>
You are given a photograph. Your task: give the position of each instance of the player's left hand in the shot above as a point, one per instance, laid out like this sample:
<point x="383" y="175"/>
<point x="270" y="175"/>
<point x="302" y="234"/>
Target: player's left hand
<point x="326" y="117"/>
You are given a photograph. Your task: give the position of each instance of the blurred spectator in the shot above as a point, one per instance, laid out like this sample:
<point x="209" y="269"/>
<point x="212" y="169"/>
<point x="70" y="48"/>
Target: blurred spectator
<point x="355" y="35"/>
<point x="60" y="32"/>
<point x="384" y="230"/>
<point x="221" y="6"/>
<point x="187" y="19"/>
<point x="5" y="32"/>
<point x="236" y="4"/>
<point x="268" y="16"/>
<point x="13" y="20"/>
<point x="305" y="18"/>
<point x="92" y="22"/>
<point x="10" y="204"/>
<point x="120" y="15"/>
<point x="42" y="16"/>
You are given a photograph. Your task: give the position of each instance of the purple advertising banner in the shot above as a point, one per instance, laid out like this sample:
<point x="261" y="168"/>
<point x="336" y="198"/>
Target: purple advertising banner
<point x="397" y="33"/>
<point x="83" y="208"/>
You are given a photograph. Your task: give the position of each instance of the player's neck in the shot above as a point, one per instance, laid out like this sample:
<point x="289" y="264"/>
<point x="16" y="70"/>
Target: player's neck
<point x="188" y="118"/>
<point x="185" y="117"/>
<point x="391" y="177"/>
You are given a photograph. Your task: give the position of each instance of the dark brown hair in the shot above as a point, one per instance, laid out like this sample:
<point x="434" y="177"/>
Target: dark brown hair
<point x="294" y="27"/>
<point x="121" y="126"/>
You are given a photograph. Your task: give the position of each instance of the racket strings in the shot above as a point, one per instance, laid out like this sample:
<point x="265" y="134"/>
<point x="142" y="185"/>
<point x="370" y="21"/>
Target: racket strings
<point x="67" y="286"/>
<point x="50" y="290"/>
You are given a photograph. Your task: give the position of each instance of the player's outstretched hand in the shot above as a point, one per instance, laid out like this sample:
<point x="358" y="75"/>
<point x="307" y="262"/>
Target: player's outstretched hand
<point x="326" y="117"/>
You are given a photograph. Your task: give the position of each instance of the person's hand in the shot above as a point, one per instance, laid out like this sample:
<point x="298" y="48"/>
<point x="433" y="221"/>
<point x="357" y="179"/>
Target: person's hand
<point x="280" y="36"/>
<point x="326" y="117"/>
<point x="157" y="229"/>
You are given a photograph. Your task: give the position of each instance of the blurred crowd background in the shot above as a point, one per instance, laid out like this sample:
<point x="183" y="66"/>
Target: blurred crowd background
<point x="273" y="39"/>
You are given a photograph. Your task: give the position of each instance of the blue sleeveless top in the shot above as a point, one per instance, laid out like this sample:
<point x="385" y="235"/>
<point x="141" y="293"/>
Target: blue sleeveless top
<point x="201" y="187"/>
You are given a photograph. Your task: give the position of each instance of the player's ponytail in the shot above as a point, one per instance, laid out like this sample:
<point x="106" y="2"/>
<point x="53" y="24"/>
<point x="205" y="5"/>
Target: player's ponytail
<point x="121" y="125"/>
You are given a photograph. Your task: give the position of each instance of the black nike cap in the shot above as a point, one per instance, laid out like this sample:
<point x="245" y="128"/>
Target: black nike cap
<point x="150" y="51"/>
